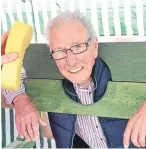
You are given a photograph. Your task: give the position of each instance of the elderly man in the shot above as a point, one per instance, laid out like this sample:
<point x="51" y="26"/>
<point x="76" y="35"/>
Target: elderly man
<point x="74" y="47"/>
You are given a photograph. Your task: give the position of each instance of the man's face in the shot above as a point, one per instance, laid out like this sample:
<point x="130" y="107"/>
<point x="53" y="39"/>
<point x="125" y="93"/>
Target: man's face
<point x="75" y="67"/>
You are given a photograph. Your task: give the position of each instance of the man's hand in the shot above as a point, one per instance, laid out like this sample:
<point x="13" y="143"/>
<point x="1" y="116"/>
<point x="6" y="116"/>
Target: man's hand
<point x="4" y="38"/>
<point x="27" y="118"/>
<point x="136" y="129"/>
<point x="8" y="57"/>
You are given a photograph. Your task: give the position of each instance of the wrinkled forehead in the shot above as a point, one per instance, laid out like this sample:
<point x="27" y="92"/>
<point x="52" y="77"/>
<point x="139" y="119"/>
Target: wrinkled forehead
<point x="69" y="33"/>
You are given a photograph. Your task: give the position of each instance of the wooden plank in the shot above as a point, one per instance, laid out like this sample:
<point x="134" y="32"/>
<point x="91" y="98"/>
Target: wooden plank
<point x="121" y="99"/>
<point x="127" y="61"/>
<point x="20" y="144"/>
<point x="38" y="64"/>
<point x="3" y="127"/>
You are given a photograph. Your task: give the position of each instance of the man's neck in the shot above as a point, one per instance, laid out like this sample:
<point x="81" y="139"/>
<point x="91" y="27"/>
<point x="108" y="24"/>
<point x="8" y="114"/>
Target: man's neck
<point x="86" y="83"/>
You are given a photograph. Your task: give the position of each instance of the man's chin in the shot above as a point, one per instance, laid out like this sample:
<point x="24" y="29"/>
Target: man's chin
<point x="74" y="81"/>
<point x="77" y="81"/>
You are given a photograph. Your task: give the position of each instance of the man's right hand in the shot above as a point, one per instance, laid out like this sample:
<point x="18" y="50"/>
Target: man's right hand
<point x="27" y="118"/>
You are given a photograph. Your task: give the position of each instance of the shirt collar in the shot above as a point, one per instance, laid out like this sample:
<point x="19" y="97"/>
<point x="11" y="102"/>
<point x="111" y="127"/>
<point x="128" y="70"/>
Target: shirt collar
<point x="89" y="88"/>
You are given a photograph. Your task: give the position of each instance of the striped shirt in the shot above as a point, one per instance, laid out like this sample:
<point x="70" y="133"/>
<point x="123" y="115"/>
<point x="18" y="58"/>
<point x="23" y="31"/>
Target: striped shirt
<point x="10" y="94"/>
<point x="88" y="127"/>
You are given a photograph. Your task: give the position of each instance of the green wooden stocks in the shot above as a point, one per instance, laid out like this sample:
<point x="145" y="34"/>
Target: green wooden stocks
<point x="121" y="99"/>
<point x="127" y="63"/>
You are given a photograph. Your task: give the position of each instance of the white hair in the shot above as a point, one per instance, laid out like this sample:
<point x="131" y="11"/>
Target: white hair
<point x="66" y="16"/>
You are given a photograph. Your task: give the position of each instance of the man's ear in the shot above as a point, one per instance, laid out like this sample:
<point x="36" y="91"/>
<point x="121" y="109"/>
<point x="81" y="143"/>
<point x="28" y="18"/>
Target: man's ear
<point x="95" y="46"/>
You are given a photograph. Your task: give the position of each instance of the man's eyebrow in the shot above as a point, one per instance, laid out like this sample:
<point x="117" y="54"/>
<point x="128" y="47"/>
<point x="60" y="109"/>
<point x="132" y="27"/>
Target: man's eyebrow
<point x="62" y="48"/>
<point x="59" y="48"/>
<point x="75" y="43"/>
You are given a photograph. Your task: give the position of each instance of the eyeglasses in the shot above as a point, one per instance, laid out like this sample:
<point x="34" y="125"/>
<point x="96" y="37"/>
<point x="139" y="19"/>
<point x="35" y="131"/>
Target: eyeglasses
<point x="76" y="49"/>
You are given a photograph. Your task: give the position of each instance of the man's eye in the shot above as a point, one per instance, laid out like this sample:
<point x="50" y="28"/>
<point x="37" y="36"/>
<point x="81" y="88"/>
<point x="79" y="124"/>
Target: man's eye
<point x="78" y="46"/>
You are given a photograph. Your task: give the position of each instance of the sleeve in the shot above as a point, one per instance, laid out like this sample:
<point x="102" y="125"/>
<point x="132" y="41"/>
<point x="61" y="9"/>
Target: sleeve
<point x="10" y="95"/>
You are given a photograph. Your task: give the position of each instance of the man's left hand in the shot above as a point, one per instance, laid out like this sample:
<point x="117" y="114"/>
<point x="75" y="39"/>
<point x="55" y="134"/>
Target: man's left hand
<point x="136" y="129"/>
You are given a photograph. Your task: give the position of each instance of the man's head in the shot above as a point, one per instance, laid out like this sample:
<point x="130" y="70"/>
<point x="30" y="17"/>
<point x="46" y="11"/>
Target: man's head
<point x="72" y="31"/>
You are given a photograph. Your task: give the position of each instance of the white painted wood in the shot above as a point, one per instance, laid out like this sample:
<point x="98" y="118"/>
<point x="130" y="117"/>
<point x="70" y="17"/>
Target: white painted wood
<point x="28" y="11"/>
<point x="127" y="17"/>
<point x="71" y="5"/>
<point x="15" y="129"/>
<point x="36" y="9"/>
<point x="4" y="22"/>
<point x="7" y="124"/>
<point x="19" y="8"/>
<point x="10" y="12"/>
<point x="122" y="39"/>
<point x="105" y="22"/>
<point x="139" y="14"/>
<point x="94" y="16"/>
<point x="116" y="17"/>
<point x="82" y="5"/>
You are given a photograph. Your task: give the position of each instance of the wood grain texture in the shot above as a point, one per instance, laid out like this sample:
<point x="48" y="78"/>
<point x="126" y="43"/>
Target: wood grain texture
<point x="127" y="61"/>
<point x="20" y="144"/>
<point x="121" y="99"/>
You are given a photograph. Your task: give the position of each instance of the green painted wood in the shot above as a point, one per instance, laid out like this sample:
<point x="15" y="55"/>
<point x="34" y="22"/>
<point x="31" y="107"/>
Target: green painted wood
<point x="3" y="121"/>
<point x="121" y="99"/>
<point x="12" y="124"/>
<point x="34" y="146"/>
<point x="38" y="64"/>
<point x="20" y="144"/>
<point x="49" y="143"/>
<point x="41" y="134"/>
<point x="127" y="61"/>
<point x="28" y="145"/>
<point x="14" y="144"/>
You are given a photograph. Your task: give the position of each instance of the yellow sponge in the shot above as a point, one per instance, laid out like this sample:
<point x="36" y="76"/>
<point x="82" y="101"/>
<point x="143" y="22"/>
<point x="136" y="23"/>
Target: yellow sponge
<point x="18" y="40"/>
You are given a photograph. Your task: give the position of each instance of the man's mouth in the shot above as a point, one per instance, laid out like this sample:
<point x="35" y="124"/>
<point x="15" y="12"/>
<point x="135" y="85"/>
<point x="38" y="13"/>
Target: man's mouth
<point x="75" y="70"/>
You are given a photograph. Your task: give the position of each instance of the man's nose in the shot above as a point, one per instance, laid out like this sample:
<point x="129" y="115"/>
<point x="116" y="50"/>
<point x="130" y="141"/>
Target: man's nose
<point x="71" y="58"/>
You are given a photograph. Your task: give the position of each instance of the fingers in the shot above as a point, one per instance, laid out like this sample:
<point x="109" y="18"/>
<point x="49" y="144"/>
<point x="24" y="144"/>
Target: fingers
<point x="29" y="128"/>
<point x="18" y="126"/>
<point x="142" y="136"/>
<point x="42" y="123"/>
<point x="9" y="58"/>
<point x="127" y="134"/>
<point x="24" y="129"/>
<point x="134" y="137"/>
<point x="136" y="132"/>
<point x="29" y="121"/>
<point x="4" y="37"/>
<point x="35" y="127"/>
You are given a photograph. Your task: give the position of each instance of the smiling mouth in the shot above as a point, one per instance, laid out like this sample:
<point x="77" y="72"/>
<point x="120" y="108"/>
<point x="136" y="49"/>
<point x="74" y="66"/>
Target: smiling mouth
<point x="75" y="70"/>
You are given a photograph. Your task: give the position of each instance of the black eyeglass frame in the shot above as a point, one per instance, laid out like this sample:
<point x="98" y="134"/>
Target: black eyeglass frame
<point x="86" y="43"/>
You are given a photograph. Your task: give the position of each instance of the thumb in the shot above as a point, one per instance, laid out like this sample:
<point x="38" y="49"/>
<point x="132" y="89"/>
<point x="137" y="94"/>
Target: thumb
<point x="8" y="58"/>
<point x="4" y="37"/>
<point x="42" y="123"/>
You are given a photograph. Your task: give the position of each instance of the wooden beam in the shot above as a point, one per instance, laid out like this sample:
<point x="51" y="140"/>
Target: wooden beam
<point x="127" y="61"/>
<point x="121" y="99"/>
